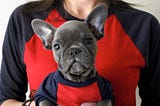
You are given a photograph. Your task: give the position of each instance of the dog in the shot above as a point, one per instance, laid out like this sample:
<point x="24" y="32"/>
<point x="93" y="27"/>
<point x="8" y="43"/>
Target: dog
<point x="74" y="49"/>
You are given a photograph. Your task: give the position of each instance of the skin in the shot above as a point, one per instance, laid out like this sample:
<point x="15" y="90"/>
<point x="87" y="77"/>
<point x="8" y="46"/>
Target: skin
<point x="80" y="9"/>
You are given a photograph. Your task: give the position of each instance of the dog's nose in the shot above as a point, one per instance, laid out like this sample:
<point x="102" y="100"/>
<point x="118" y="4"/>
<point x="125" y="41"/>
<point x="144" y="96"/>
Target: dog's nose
<point x="74" y="51"/>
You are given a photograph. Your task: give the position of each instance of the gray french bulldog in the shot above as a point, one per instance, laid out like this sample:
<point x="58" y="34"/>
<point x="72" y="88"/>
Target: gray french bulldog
<point x="74" y="46"/>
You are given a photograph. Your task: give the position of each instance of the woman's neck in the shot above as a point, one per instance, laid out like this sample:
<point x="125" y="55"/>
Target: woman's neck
<point x="80" y="8"/>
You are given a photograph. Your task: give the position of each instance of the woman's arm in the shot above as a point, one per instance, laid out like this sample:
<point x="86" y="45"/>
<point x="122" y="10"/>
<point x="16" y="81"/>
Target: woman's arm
<point x="149" y="84"/>
<point x="13" y="77"/>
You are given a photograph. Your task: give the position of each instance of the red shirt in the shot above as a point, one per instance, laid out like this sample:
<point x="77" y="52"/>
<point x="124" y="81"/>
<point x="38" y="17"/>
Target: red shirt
<point x="118" y="60"/>
<point x="128" y="55"/>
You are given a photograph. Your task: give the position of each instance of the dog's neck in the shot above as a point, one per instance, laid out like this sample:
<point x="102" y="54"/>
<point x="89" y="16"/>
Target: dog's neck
<point x="80" y="78"/>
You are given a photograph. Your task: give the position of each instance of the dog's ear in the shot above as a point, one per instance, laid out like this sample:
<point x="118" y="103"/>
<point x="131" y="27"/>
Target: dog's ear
<point x="96" y="19"/>
<point x="45" y="31"/>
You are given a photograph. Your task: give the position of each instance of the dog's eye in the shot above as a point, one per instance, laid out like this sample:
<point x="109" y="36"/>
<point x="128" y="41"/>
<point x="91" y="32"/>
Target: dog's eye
<point x="56" y="46"/>
<point x="88" y="41"/>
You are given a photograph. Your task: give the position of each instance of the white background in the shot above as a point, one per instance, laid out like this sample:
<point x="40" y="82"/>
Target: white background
<point x="7" y="6"/>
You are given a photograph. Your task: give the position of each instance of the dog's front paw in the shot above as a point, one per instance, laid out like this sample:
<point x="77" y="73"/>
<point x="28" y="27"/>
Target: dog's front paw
<point x="88" y="104"/>
<point x="104" y="103"/>
<point x="47" y="103"/>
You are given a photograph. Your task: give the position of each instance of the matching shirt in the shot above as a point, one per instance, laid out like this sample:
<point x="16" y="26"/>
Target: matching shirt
<point x="67" y="93"/>
<point x="128" y="55"/>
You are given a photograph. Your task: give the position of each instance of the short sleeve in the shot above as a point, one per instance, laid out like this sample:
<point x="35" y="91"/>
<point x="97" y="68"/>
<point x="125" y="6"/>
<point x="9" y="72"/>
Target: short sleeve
<point x="47" y="90"/>
<point x="106" y="89"/>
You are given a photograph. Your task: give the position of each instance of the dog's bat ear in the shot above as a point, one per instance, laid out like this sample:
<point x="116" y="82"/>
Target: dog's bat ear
<point x="96" y="20"/>
<point x="45" y="31"/>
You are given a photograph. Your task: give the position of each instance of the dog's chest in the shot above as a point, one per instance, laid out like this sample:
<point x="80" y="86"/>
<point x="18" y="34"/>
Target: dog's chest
<point x="74" y="96"/>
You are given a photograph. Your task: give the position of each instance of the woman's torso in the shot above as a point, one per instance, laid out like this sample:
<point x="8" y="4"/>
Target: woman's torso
<point x="120" y="57"/>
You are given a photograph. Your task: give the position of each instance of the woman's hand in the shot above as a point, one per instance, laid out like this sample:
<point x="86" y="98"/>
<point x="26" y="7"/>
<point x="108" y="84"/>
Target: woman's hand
<point x="33" y="103"/>
<point x="13" y="102"/>
<point x="89" y="104"/>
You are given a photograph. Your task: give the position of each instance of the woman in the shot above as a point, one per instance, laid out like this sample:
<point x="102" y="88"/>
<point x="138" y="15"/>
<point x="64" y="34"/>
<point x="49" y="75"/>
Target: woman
<point x="128" y="52"/>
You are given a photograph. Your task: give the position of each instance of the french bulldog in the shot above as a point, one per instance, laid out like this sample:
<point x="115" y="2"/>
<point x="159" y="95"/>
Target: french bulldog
<point x="74" y="47"/>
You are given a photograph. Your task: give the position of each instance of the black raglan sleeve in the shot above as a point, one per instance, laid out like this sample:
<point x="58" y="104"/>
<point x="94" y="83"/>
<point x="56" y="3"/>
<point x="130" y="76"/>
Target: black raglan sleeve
<point x="13" y="79"/>
<point x="149" y="84"/>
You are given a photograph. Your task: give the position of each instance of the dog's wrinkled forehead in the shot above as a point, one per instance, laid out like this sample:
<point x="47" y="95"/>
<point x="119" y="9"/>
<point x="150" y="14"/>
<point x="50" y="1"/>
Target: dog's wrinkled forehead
<point x="72" y="30"/>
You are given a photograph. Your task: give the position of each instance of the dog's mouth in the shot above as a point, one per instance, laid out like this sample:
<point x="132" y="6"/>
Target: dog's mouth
<point x="79" y="76"/>
<point x="78" y="71"/>
<point x="76" y="68"/>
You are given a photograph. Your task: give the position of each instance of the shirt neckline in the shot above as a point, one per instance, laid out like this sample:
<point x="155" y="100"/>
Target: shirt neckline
<point x="64" y="14"/>
<point x="59" y="77"/>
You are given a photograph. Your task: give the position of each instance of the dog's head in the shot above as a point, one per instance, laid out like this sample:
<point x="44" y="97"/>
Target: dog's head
<point x="74" y="43"/>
